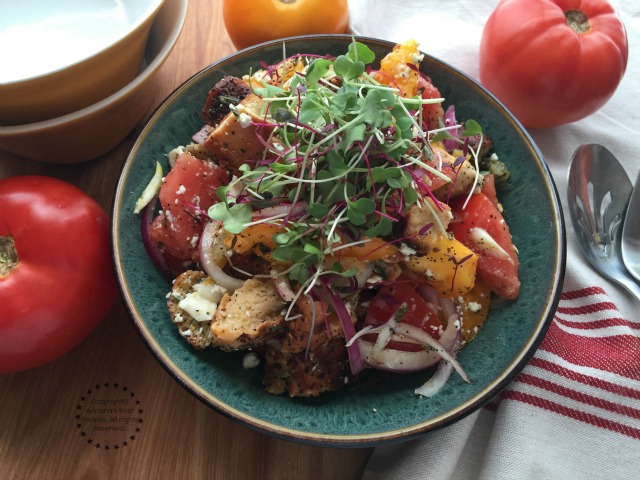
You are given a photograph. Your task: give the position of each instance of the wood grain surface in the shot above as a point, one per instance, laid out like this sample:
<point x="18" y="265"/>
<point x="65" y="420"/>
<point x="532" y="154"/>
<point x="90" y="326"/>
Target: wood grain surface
<point x="179" y="437"/>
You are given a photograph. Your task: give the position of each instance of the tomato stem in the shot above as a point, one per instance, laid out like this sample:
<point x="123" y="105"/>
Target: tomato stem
<point x="578" y="21"/>
<point x="8" y="255"/>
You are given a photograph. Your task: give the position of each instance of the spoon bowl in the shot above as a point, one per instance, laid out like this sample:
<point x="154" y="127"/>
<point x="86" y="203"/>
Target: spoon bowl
<point x="631" y="234"/>
<point x="598" y="195"/>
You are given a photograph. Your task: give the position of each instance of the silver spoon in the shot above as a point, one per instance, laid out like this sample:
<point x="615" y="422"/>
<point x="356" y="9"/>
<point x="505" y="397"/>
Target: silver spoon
<point x="631" y="233"/>
<point x="598" y="194"/>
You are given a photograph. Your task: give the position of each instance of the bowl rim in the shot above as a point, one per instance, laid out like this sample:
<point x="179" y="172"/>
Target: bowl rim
<point x="156" y="62"/>
<point x="152" y="9"/>
<point x="552" y="298"/>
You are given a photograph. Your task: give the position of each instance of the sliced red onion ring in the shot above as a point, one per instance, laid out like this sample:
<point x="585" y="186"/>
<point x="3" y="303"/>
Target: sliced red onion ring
<point x="283" y="287"/>
<point x="281" y="210"/>
<point x="423" y="337"/>
<point x="208" y="261"/>
<point x="400" y="361"/>
<point x="392" y="360"/>
<point x="385" y="334"/>
<point x="364" y="274"/>
<point x="487" y="244"/>
<point x="443" y="372"/>
<point x="428" y="293"/>
<point x="445" y="368"/>
<point x="353" y="350"/>
<point x="202" y="134"/>
<point x="156" y="257"/>
<point x="449" y="120"/>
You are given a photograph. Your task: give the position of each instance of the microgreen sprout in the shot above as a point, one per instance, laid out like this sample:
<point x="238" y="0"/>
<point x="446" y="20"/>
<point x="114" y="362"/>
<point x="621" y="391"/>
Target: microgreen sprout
<point x="342" y="159"/>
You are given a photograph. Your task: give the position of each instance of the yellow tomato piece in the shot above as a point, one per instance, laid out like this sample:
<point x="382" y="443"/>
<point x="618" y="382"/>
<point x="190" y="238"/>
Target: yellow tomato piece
<point x="257" y="238"/>
<point x="374" y="249"/>
<point x="474" y="308"/>
<point x="395" y="72"/>
<point x="450" y="267"/>
<point x="287" y="71"/>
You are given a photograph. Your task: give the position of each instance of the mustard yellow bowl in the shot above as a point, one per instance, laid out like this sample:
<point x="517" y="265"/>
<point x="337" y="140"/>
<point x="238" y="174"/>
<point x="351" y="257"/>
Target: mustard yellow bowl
<point x="59" y="57"/>
<point x="94" y="130"/>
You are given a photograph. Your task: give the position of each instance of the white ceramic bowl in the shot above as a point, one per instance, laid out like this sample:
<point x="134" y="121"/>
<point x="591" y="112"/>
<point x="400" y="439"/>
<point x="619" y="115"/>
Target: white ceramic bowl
<point x="60" y="56"/>
<point x="96" y="129"/>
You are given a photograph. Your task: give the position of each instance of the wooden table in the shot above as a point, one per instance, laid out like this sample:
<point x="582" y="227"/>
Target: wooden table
<point x="179" y="437"/>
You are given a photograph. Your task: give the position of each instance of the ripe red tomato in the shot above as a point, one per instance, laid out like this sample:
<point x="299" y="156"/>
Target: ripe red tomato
<point x="499" y="271"/>
<point x="431" y="112"/>
<point x="250" y="22"/>
<point x="419" y="313"/>
<point x="187" y="192"/>
<point x="56" y="275"/>
<point x="553" y="62"/>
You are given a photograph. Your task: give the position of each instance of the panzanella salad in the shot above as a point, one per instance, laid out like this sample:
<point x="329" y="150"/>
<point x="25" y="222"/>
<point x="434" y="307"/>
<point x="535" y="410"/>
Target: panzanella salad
<point x="332" y="217"/>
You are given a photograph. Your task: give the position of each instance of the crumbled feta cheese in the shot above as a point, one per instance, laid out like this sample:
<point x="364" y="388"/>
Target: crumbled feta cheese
<point x="244" y="120"/>
<point x="404" y="72"/>
<point x="250" y="360"/>
<point x="202" y="303"/>
<point x="407" y="250"/>
<point x="474" y="307"/>
<point x="181" y="190"/>
<point x="170" y="219"/>
<point x="416" y="57"/>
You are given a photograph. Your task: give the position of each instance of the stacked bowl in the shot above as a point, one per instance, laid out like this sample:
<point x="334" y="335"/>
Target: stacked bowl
<point x="75" y="75"/>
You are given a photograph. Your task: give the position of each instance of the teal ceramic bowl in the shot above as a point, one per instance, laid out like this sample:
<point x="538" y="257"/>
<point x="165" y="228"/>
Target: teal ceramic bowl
<point x="380" y="408"/>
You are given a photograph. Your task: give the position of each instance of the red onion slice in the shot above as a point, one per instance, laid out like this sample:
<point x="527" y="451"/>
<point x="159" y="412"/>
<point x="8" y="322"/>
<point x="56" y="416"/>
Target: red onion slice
<point x="208" y="260"/>
<point x="279" y="211"/>
<point x="424" y="338"/>
<point x="283" y="287"/>
<point x="486" y="244"/>
<point x="353" y="350"/>
<point x="392" y="360"/>
<point x="437" y="381"/>
<point x="201" y="135"/>
<point x="153" y="252"/>
<point x="389" y="359"/>
<point x="443" y="372"/>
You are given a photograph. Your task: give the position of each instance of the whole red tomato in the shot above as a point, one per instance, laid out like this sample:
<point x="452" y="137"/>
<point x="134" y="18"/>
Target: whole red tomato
<point x="553" y="62"/>
<point x="56" y="276"/>
<point x="250" y="22"/>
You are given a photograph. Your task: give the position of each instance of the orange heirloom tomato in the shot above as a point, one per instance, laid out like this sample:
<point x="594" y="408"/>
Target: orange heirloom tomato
<point x="250" y="22"/>
<point x="553" y="62"/>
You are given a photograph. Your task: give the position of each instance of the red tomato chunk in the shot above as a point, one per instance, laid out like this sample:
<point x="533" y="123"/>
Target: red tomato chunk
<point x="187" y="192"/>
